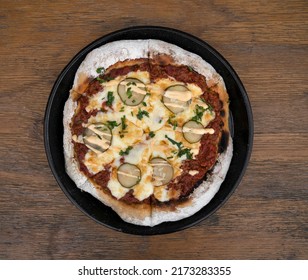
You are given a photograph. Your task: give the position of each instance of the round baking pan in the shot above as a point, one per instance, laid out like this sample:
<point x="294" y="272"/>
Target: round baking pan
<point x="241" y="126"/>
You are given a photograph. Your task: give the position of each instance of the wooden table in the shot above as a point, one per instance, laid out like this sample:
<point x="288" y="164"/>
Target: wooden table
<point x="267" y="44"/>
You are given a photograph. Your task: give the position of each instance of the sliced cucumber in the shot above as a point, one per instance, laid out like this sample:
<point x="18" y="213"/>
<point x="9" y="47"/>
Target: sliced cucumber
<point x="162" y="171"/>
<point x="177" y="98"/>
<point x="193" y="131"/>
<point x="97" y="137"/>
<point x="132" y="91"/>
<point x="128" y="175"/>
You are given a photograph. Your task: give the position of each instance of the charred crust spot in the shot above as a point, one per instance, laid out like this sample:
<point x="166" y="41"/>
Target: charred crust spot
<point x="223" y="144"/>
<point x="222" y="113"/>
<point x="221" y="104"/>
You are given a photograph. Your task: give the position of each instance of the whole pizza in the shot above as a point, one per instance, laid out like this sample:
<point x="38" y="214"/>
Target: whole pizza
<point x="146" y="130"/>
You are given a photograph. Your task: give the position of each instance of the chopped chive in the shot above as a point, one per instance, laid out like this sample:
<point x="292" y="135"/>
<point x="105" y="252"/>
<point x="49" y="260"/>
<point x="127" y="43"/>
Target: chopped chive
<point x="129" y="93"/>
<point x="100" y="80"/>
<point x="123" y="122"/>
<point x="100" y="70"/>
<point x="190" y="69"/>
<point x="198" y="113"/>
<point x="181" y="150"/>
<point x="112" y="124"/>
<point x="142" y="113"/>
<point x="110" y="98"/>
<point x="126" y="152"/>
<point x="173" y="123"/>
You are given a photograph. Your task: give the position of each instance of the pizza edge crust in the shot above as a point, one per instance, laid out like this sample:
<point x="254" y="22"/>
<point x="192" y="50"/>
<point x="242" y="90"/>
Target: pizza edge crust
<point x="106" y="56"/>
<point x="200" y="197"/>
<point x="179" y="56"/>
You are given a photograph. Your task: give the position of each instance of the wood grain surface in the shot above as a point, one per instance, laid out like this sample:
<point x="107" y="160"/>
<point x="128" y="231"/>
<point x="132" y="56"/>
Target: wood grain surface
<point x="267" y="44"/>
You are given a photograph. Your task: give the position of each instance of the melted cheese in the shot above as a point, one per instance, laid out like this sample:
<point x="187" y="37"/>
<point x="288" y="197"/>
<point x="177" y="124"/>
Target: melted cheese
<point x="136" y="132"/>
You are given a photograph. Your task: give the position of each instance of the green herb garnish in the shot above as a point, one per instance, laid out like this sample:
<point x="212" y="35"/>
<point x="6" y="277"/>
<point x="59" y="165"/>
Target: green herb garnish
<point x="129" y="93"/>
<point x="181" y="150"/>
<point x="126" y="152"/>
<point x="110" y="98"/>
<point x="199" y="113"/>
<point x="151" y="134"/>
<point x="100" y="70"/>
<point x="131" y="83"/>
<point x="122" y="109"/>
<point x="209" y="107"/>
<point x="112" y="124"/>
<point x="186" y="152"/>
<point x="178" y="144"/>
<point x="173" y="123"/>
<point x="123" y="122"/>
<point x="142" y="113"/>
<point x="190" y="69"/>
<point x="143" y="103"/>
<point x="100" y="80"/>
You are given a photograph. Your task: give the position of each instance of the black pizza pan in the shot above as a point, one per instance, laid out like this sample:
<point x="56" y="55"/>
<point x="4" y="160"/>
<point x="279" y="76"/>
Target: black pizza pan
<point x="241" y="127"/>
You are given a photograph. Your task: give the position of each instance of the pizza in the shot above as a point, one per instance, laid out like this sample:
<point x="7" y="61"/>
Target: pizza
<point x="146" y="130"/>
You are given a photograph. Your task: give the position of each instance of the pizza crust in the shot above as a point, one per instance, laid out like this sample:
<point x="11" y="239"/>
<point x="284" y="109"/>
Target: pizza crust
<point x="71" y="164"/>
<point x="159" y="49"/>
<point x="139" y="214"/>
<point x="107" y="55"/>
<point x="201" y="196"/>
<point x="180" y="56"/>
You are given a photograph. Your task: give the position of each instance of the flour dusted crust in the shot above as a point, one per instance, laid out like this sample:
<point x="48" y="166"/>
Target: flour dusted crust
<point x="117" y="54"/>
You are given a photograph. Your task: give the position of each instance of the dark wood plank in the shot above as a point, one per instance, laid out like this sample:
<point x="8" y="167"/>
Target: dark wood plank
<point x="267" y="44"/>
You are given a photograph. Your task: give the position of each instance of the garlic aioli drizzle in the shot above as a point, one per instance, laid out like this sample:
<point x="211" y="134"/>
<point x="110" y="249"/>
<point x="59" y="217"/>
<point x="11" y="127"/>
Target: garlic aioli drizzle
<point x="96" y="140"/>
<point x="183" y="96"/>
<point x="198" y="130"/>
<point x="127" y="174"/>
